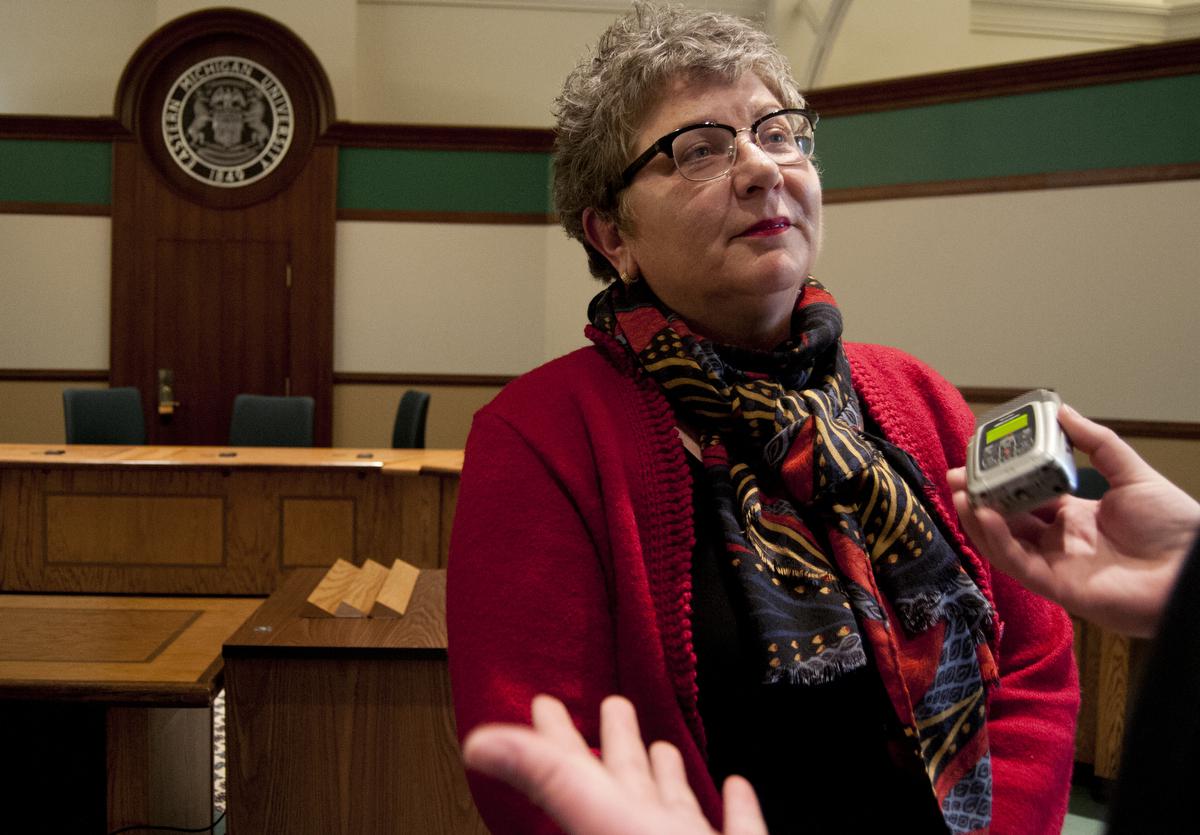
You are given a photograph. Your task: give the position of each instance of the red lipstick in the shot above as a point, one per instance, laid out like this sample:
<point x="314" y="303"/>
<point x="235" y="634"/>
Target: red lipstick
<point x="770" y="226"/>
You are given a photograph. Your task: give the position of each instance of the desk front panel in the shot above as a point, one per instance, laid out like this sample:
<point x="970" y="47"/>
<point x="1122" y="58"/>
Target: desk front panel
<point x="344" y="726"/>
<point x="157" y="525"/>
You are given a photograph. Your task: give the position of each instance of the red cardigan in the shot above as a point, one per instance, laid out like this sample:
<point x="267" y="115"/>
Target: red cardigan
<point x="569" y="574"/>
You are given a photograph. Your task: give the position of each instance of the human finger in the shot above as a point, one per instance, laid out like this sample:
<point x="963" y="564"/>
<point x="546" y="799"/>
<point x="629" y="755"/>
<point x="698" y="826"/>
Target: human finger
<point x="957" y="478"/>
<point x="743" y="816"/>
<point x="552" y="720"/>
<point x="514" y="754"/>
<point x="670" y="776"/>
<point x="992" y="534"/>
<point x="1112" y="457"/>
<point x="621" y="745"/>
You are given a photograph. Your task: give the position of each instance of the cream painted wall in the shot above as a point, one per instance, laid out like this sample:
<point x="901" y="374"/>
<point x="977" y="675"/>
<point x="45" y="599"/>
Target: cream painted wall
<point x="64" y="57"/>
<point x="439" y="298"/>
<point x="882" y="39"/>
<point x="1091" y="291"/>
<point x="451" y="64"/>
<point x="569" y="288"/>
<point x="1102" y="281"/>
<point x="54" y="291"/>
<point x="363" y="414"/>
<point x="442" y="64"/>
<point x="33" y="411"/>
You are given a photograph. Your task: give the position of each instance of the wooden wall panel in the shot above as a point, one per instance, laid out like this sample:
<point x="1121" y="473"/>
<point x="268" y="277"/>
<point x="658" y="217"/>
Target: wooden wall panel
<point x="317" y="532"/>
<point x="152" y="530"/>
<point x="139" y="529"/>
<point x="1110" y="668"/>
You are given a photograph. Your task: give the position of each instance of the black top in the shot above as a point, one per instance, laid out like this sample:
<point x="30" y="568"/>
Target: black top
<point x="1160" y="764"/>
<point x="819" y="755"/>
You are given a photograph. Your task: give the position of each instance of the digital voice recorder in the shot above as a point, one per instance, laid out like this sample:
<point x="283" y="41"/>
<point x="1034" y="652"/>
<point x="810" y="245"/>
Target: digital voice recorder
<point x="1018" y="456"/>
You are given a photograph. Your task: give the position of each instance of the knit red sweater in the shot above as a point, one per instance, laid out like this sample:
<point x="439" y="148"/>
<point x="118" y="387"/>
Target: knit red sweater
<point x="569" y="574"/>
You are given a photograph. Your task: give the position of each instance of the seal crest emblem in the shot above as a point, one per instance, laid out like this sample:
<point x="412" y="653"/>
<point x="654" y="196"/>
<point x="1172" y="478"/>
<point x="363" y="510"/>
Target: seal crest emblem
<point x="227" y="121"/>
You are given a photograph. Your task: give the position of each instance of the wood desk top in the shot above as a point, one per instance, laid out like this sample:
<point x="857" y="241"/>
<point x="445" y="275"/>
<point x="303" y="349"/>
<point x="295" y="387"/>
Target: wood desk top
<point x="114" y="648"/>
<point x="278" y="627"/>
<point x="396" y="461"/>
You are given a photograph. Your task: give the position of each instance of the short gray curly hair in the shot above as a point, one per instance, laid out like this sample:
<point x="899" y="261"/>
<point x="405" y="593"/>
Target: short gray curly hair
<point x="611" y="90"/>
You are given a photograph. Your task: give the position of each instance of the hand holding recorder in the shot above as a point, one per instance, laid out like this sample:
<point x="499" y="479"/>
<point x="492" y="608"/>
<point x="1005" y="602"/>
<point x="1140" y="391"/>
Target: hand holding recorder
<point x="1112" y="561"/>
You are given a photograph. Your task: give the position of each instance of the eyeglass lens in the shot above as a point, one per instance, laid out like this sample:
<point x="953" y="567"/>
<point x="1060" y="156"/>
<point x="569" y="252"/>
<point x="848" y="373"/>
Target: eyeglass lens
<point x="705" y="153"/>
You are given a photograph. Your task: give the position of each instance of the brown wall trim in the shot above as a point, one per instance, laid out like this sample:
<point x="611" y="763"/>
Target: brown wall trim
<point x="983" y="394"/>
<point x="414" y="216"/>
<point x="1168" y="429"/>
<point x="1021" y="182"/>
<point x="53" y="375"/>
<point x="24" y="207"/>
<point x="439" y="137"/>
<point x="371" y="378"/>
<point x="1106" y="67"/>
<point x="347" y="134"/>
<point x="18" y="207"/>
<point x="87" y="128"/>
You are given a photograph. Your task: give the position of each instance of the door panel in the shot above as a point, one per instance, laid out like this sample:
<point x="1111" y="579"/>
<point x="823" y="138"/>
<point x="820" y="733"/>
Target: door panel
<point x="221" y="325"/>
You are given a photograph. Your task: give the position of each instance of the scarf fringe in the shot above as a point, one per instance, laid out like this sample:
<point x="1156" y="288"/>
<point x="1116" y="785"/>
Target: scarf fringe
<point x="960" y="603"/>
<point x="824" y="668"/>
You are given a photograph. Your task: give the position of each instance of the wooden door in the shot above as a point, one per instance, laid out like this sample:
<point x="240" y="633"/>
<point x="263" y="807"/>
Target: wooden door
<point x="221" y="328"/>
<point x="224" y="200"/>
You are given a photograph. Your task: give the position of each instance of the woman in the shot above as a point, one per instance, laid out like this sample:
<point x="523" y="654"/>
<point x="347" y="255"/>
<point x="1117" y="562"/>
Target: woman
<point x="724" y="513"/>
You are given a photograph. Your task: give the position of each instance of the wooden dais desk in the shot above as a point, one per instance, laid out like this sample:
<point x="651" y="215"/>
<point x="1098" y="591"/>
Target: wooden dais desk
<point x="106" y="709"/>
<point x="341" y="726"/>
<point x="214" y="520"/>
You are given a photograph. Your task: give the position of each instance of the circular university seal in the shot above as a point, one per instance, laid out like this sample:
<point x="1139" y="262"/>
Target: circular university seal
<point x="227" y="121"/>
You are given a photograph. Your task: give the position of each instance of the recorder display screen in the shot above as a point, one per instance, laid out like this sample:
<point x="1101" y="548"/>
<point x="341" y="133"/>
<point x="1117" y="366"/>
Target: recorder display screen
<point x="1007" y="437"/>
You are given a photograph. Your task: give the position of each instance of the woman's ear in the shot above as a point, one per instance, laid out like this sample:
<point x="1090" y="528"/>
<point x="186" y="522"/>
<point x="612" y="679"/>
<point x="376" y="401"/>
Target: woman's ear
<point x="602" y="233"/>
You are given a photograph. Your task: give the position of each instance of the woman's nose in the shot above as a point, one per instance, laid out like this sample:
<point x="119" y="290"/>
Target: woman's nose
<point x="753" y="168"/>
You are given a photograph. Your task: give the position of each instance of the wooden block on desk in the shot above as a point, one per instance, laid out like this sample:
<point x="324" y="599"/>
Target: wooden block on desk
<point x="328" y="598"/>
<point x="367" y="584"/>
<point x="397" y="590"/>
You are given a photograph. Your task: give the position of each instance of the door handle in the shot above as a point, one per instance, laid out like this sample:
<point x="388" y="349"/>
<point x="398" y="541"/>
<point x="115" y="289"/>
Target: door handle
<point x="167" y="404"/>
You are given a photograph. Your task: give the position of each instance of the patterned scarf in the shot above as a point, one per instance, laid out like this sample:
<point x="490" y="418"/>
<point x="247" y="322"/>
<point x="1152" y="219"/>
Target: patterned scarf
<point x="829" y="540"/>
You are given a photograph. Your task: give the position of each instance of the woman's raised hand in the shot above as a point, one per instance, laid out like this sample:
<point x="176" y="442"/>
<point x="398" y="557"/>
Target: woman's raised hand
<point x="628" y="790"/>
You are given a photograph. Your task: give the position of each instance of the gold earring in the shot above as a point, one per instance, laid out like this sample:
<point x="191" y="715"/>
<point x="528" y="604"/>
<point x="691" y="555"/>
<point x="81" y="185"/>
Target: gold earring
<point x="628" y="279"/>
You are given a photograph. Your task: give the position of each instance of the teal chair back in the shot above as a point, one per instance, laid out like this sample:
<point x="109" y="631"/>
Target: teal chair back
<point x="262" y="420"/>
<point x="408" y="432"/>
<point x="104" y="416"/>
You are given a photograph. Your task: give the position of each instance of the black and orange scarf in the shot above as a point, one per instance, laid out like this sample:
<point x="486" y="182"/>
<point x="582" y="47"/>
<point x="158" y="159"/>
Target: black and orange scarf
<point x="829" y="536"/>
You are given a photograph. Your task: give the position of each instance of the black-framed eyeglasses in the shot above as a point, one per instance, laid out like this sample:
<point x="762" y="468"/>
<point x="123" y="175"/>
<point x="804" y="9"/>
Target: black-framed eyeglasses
<point x="709" y="150"/>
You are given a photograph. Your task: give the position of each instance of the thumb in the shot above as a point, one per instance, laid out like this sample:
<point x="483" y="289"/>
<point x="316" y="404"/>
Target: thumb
<point x="1112" y="457"/>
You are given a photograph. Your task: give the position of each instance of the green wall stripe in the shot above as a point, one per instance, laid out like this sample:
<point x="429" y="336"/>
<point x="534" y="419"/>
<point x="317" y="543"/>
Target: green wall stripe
<point x="41" y="171"/>
<point x="1150" y="122"/>
<point x="443" y="181"/>
<point x="1136" y="123"/>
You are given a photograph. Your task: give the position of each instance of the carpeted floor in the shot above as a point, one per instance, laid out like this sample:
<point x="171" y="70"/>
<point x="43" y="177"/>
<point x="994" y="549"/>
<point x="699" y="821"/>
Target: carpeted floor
<point x="219" y="761"/>
<point x="1085" y="815"/>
